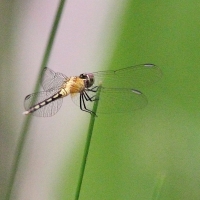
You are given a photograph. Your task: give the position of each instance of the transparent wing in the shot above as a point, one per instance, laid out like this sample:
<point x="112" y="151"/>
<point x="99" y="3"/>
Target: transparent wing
<point x="115" y="100"/>
<point x="51" y="79"/>
<point x="130" y="77"/>
<point x="46" y="111"/>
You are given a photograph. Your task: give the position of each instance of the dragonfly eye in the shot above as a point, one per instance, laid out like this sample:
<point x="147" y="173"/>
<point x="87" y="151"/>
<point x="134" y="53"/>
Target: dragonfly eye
<point x="88" y="78"/>
<point x="83" y="76"/>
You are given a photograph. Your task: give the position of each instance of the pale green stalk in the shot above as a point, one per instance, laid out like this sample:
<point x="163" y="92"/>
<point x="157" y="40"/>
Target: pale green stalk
<point x="87" y="146"/>
<point x="26" y="124"/>
<point x="158" y="186"/>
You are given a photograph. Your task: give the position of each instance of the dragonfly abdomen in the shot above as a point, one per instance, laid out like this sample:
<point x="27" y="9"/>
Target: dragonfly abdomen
<point x="43" y="103"/>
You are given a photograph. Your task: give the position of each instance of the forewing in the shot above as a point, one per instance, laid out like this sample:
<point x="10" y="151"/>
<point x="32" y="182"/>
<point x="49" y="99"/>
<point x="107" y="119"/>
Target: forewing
<point x="51" y="79"/>
<point x="46" y="111"/>
<point x="115" y="100"/>
<point x="130" y="77"/>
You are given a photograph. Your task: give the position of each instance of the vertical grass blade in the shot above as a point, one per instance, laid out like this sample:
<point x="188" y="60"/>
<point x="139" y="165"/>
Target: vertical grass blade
<point x="158" y="186"/>
<point x="26" y="124"/>
<point x="87" y="146"/>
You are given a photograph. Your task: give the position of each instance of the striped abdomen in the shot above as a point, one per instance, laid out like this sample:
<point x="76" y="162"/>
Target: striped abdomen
<point x="42" y="103"/>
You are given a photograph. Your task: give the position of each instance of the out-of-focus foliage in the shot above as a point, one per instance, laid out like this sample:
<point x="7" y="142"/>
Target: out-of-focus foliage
<point x="152" y="153"/>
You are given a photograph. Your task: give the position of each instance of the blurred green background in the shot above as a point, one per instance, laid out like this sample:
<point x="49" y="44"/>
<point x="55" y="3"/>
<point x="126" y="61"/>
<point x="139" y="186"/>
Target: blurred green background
<point x="152" y="153"/>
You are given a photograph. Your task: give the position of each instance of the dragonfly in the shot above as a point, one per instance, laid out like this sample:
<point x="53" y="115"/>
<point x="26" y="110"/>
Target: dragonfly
<point x="118" y="93"/>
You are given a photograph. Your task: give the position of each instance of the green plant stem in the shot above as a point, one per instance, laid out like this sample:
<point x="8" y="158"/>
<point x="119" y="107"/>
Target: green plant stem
<point x="158" y="186"/>
<point x="26" y="124"/>
<point x="87" y="146"/>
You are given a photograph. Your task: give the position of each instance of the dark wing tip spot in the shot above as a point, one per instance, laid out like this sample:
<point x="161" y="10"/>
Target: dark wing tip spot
<point x="149" y="65"/>
<point x="136" y="91"/>
<point x="27" y="97"/>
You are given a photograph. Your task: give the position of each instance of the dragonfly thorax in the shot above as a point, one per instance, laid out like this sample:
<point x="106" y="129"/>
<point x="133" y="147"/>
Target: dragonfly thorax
<point x="88" y="79"/>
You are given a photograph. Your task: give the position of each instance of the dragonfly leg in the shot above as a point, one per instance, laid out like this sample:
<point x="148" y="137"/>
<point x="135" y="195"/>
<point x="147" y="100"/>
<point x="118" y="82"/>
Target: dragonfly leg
<point x="88" y="98"/>
<point x="83" y="106"/>
<point x="94" y="89"/>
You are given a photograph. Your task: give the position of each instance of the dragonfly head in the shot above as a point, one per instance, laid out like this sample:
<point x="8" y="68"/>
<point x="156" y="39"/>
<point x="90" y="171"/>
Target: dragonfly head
<point x="88" y="79"/>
